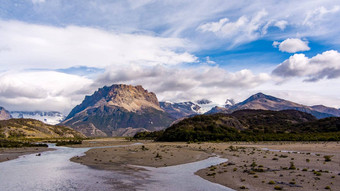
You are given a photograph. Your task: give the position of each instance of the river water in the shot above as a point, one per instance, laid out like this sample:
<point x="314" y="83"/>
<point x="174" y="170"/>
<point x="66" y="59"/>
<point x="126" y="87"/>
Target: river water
<point x="54" y="171"/>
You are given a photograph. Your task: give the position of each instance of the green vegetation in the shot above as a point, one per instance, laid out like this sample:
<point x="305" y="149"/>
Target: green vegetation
<point x="147" y="135"/>
<point x="69" y="142"/>
<point x="4" y="143"/>
<point x="327" y="158"/>
<point x="254" y="125"/>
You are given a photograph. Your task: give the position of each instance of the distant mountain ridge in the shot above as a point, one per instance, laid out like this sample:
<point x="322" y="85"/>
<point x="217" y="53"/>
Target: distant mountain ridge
<point x="180" y="109"/>
<point x="262" y="101"/>
<point x="110" y="110"/>
<point x="49" y="117"/>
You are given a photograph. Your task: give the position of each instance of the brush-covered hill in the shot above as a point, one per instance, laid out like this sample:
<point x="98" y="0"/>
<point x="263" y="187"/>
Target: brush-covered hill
<point x="31" y="128"/>
<point x="254" y="125"/>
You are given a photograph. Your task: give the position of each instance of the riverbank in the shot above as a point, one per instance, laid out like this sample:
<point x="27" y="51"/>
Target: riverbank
<point x="13" y="153"/>
<point x="147" y="154"/>
<point x="253" y="168"/>
<point x="249" y="166"/>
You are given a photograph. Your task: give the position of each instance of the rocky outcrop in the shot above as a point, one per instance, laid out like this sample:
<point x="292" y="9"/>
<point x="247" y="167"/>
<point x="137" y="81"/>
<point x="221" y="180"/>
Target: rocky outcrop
<point x="4" y="114"/>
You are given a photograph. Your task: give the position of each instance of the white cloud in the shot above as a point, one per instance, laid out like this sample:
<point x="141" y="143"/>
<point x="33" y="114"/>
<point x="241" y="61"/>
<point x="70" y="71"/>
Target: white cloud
<point x="318" y="14"/>
<point x="242" y="30"/>
<point x="38" y="1"/>
<point x="177" y="84"/>
<point x="281" y="24"/>
<point x="325" y="65"/>
<point x="292" y="45"/>
<point x="41" y="90"/>
<point x="38" y="46"/>
<point x="276" y="44"/>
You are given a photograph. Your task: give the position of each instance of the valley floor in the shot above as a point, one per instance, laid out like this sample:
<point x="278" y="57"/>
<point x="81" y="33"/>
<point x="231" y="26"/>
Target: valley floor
<point x="252" y="166"/>
<point x="286" y="165"/>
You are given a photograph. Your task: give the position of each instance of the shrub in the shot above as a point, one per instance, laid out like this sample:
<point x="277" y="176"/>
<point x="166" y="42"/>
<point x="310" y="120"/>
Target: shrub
<point x="327" y="158"/>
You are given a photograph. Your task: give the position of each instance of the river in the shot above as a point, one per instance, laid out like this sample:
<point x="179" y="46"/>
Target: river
<point x="54" y="171"/>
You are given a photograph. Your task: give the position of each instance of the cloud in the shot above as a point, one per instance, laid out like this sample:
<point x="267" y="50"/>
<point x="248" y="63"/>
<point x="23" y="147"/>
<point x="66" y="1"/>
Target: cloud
<point x="281" y="24"/>
<point x="318" y="14"/>
<point x="176" y="84"/>
<point x="292" y="45"/>
<point x="39" y="46"/>
<point x="38" y="1"/>
<point x="41" y="90"/>
<point x="325" y="65"/>
<point x="244" y="29"/>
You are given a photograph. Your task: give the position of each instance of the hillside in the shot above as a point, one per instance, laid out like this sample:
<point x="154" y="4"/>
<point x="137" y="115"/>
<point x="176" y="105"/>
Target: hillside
<point x="110" y="110"/>
<point x="260" y="125"/>
<point x="31" y="128"/>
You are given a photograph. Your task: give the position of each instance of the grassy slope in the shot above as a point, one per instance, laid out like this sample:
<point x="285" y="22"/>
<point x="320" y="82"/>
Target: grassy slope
<point x="30" y="128"/>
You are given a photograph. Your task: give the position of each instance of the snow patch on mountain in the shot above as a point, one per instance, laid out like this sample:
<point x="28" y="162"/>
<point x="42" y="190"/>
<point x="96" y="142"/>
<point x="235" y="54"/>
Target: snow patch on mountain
<point x="206" y="105"/>
<point x="49" y="117"/>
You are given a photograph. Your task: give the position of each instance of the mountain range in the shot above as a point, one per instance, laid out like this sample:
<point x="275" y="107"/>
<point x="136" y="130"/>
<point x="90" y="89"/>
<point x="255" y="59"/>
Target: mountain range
<point x="267" y="102"/>
<point x="123" y="110"/>
<point x="48" y="117"/>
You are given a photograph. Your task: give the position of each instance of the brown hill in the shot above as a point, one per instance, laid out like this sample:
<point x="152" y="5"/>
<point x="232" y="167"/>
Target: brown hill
<point x="31" y="128"/>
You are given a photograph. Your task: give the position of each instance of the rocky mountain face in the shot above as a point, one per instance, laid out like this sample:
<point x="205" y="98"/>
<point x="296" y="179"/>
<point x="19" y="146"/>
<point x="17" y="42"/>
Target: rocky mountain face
<point x="324" y="109"/>
<point x="31" y="128"/>
<point x="229" y="103"/>
<point x="110" y="110"/>
<point x="49" y="117"/>
<point x="4" y="114"/>
<point x="267" y="102"/>
<point x="181" y="109"/>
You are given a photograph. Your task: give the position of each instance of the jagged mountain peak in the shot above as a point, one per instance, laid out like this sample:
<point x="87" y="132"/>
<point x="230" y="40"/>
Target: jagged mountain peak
<point x="131" y="98"/>
<point x="261" y="95"/>
<point x="112" y="109"/>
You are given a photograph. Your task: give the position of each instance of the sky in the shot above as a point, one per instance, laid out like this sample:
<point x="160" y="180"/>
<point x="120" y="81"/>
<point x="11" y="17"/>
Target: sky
<point x="54" y="52"/>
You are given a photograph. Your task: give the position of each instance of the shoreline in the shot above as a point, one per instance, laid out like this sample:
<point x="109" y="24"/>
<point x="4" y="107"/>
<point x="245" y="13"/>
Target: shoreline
<point x="7" y="154"/>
